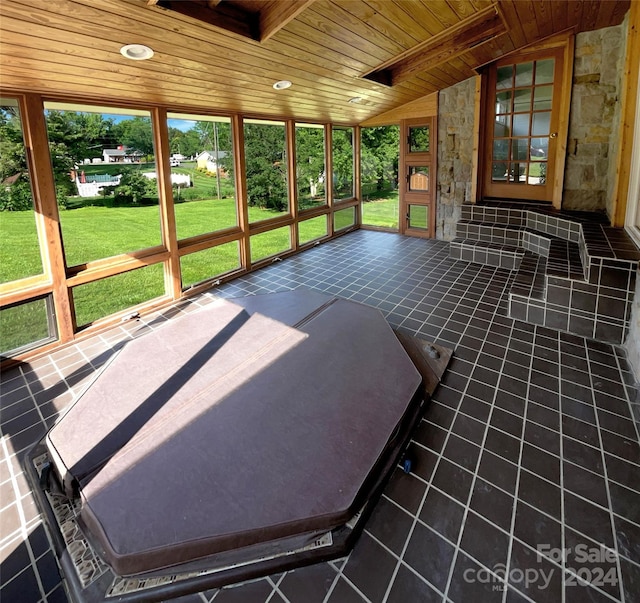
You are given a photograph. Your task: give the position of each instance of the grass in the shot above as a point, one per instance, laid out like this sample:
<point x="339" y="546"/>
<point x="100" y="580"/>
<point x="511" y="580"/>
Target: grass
<point x="382" y="211"/>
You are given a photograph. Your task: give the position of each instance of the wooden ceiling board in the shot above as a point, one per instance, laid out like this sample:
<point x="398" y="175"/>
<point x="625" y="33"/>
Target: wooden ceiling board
<point x="421" y="16"/>
<point x="544" y="18"/>
<point x="347" y="28"/>
<point x="590" y="10"/>
<point x="395" y="14"/>
<point x="559" y="15"/>
<point x="276" y="14"/>
<point x="71" y="47"/>
<point x="442" y="12"/>
<point x="406" y="36"/>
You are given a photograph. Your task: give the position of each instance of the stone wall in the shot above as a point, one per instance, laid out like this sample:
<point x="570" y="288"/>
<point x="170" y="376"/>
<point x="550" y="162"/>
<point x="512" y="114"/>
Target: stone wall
<point x="455" y="154"/>
<point x="594" y="119"/>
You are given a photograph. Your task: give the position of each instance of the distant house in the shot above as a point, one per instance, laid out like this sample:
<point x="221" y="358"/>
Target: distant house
<point x="207" y="160"/>
<point x="121" y="155"/>
<point x="91" y="185"/>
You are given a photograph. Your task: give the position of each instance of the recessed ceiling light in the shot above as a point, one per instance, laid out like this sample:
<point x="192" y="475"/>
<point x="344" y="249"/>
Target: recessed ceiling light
<point x="136" y="52"/>
<point x="355" y="100"/>
<point x="282" y="85"/>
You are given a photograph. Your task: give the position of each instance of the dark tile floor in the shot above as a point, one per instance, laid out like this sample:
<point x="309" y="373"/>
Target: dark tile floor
<point x="527" y="480"/>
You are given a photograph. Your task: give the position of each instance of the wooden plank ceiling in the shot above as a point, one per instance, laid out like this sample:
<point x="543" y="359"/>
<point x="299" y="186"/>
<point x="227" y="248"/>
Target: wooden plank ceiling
<point x="226" y="54"/>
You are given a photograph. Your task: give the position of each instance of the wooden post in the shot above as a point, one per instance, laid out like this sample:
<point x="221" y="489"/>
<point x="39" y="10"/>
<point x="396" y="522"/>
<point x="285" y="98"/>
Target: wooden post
<point x="172" y="279"/>
<point x="328" y="175"/>
<point x="357" y="184"/>
<point x="241" y="189"/>
<point x="290" y="137"/>
<point x="46" y="211"/>
<point x="620" y="190"/>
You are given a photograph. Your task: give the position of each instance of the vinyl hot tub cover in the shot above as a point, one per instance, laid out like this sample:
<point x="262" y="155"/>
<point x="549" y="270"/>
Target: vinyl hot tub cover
<point x="239" y="439"/>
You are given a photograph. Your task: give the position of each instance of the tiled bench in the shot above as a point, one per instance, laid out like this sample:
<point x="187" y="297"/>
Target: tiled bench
<point x="574" y="272"/>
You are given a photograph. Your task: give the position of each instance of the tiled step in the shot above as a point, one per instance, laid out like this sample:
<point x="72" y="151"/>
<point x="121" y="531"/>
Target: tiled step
<point x="574" y="273"/>
<point x="482" y="252"/>
<point x="530" y="280"/>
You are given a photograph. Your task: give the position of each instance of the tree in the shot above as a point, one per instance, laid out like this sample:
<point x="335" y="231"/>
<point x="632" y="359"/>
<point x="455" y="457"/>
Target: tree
<point x="133" y="188"/>
<point x="266" y="166"/>
<point x="184" y="143"/>
<point x="15" y="192"/>
<point x="342" y="154"/>
<point x="135" y="134"/>
<point x="380" y="151"/>
<point x="309" y="162"/>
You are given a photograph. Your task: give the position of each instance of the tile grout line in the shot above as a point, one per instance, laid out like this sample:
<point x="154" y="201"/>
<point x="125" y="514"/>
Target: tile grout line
<point x="518" y="473"/>
<point x="606" y="483"/>
<point x="421" y="505"/>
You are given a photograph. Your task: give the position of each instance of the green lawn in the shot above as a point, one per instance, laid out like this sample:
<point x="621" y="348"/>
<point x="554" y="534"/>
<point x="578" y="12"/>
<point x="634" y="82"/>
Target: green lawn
<point x="381" y="212"/>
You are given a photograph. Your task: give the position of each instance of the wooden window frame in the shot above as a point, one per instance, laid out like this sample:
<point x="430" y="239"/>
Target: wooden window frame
<point x="408" y="159"/>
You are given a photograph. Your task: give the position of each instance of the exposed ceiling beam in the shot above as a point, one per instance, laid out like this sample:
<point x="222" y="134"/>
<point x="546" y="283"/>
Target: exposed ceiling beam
<point x="473" y="31"/>
<point x="275" y="15"/>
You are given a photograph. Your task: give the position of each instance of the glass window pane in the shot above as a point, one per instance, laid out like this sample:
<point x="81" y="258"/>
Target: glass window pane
<point x="202" y="174"/>
<point x="499" y="171"/>
<point x="539" y="149"/>
<point x="544" y="71"/>
<point x="104" y="167"/>
<point x="344" y="218"/>
<point x="19" y="247"/>
<point x="419" y="217"/>
<point x="270" y="243"/>
<point x="524" y="74"/>
<point x="265" y="148"/>
<point x="520" y="149"/>
<point x="521" y="125"/>
<point x="380" y="155"/>
<point x="505" y="77"/>
<point x="503" y="102"/>
<point x="519" y="172"/>
<point x="500" y="149"/>
<point x="541" y="122"/>
<point x="26" y="326"/>
<point x="522" y="100"/>
<point x="542" y="98"/>
<point x="312" y="229"/>
<point x="209" y="263"/>
<point x="342" y="153"/>
<point x="310" y="169"/>
<point x="502" y="126"/>
<point x="419" y="178"/>
<point x="419" y="139"/>
<point x="116" y="293"/>
<point x="537" y="173"/>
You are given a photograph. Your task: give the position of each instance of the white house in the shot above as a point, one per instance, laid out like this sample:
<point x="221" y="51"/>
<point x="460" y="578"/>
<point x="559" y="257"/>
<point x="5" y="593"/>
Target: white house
<point x="121" y="155"/>
<point x="207" y="159"/>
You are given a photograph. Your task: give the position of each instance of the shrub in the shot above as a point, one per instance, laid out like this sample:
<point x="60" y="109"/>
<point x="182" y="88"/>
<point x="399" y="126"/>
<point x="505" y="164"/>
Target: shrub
<point x="16" y="197"/>
<point x="133" y="188"/>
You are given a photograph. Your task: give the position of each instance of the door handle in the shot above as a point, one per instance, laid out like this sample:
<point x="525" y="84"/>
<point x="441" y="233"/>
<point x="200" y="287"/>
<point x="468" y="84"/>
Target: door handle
<point x="553" y="135"/>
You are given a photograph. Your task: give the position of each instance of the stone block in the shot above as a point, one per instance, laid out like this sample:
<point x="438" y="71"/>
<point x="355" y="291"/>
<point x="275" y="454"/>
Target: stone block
<point x="592" y="108"/>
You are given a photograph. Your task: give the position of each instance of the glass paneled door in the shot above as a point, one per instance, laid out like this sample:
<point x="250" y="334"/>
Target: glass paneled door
<point x="522" y="127"/>
<point x="418" y="153"/>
